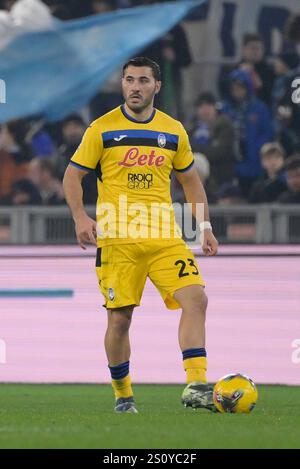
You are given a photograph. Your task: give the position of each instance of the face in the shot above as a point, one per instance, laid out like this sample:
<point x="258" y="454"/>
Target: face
<point x="206" y="112"/>
<point x="273" y="162"/>
<point x="73" y="132"/>
<point x="230" y="201"/>
<point x="34" y="171"/>
<point x="279" y="67"/>
<point x="293" y="179"/>
<point x="139" y="88"/>
<point x="101" y="7"/>
<point x="253" y="51"/>
<point x="21" y="198"/>
<point x="238" y="91"/>
<point x="8" y="4"/>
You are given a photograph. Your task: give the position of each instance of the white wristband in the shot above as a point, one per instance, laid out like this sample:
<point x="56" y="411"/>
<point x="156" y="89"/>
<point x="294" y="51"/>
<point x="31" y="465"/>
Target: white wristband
<point x="205" y="225"/>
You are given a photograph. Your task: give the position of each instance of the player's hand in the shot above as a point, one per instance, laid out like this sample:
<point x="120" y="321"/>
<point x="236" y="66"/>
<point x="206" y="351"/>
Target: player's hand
<point x="209" y="244"/>
<point x="86" y="231"/>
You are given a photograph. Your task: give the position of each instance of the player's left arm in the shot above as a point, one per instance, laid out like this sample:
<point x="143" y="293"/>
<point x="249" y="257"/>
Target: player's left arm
<point x="196" y="196"/>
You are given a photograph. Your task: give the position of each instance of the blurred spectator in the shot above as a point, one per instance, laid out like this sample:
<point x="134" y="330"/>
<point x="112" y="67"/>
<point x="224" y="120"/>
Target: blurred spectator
<point x="23" y="192"/>
<point x="102" y="6"/>
<point x="25" y="139"/>
<point x="14" y="157"/>
<point x="287" y="112"/>
<point x="253" y="61"/>
<point x="15" y="141"/>
<point x="283" y="64"/>
<point x="109" y="97"/>
<point x="273" y="182"/>
<point x="42" y="175"/>
<point x="203" y="168"/>
<point x="252" y="123"/>
<point x="10" y="172"/>
<point x="59" y="9"/>
<point x="73" y="128"/>
<point x="230" y="194"/>
<point x="7" y="4"/>
<point x="40" y="141"/>
<point x="292" y="168"/>
<point x="172" y="53"/>
<point x="237" y="228"/>
<point x="42" y="144"/>
<point x="213" y="135"/>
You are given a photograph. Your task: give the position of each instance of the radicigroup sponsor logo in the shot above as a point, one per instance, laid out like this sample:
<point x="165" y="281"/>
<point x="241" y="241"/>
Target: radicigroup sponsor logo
<point x="140" y="181"/>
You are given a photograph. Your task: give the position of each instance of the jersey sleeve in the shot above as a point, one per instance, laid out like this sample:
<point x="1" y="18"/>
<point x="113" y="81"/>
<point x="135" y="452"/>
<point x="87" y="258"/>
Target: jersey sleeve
<point x="89" y="151"/>
<point x="184" y="158"/>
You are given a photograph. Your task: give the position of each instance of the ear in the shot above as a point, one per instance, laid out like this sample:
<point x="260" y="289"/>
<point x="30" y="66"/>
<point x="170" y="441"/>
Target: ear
<point x="157" y="87"/>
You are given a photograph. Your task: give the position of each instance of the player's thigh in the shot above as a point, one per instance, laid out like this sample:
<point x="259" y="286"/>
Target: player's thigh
<point x="173" y="268"/>
<point x="121" y="275"/>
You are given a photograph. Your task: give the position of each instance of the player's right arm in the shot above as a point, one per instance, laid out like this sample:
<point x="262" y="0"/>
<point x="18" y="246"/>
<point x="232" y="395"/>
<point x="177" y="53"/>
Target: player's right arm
<point x="83" y="161"/>
<point x="85" y="227"/>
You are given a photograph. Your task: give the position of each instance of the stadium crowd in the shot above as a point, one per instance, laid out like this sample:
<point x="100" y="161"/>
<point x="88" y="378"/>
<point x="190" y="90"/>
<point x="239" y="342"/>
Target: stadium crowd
<point x="246" y="140"/>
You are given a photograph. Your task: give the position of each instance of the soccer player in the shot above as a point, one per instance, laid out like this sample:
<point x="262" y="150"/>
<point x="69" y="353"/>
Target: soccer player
<point x="133" y="150"/>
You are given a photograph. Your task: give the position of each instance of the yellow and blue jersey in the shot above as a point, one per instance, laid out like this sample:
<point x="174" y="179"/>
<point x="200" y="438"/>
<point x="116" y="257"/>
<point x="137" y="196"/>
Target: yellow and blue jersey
<point x="133" y="161"/>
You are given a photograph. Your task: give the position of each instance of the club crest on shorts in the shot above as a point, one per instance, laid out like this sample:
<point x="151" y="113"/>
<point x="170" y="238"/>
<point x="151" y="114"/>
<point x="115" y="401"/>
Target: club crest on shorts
<point x="161" y="139"/>
<point x="111" y="294"/>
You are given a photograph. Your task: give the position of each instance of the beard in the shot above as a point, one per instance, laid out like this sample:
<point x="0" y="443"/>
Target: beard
<point x="140" y="106"/>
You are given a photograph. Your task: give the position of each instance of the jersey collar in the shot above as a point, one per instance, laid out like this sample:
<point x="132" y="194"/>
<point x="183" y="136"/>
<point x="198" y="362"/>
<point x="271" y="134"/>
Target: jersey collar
<point x="132" y="119"/>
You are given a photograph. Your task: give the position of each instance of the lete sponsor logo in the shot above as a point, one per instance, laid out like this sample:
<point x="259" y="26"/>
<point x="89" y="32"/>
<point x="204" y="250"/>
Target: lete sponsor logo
<point x="134" y="158"/>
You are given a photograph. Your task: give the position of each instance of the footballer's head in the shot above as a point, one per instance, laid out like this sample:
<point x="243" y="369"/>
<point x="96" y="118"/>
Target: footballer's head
<point x="141" y="81"/>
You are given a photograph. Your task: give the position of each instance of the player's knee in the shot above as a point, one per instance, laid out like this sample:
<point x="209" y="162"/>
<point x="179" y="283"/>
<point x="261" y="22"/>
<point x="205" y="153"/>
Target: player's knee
<point x="199" y="303"/>
<point x="119" y="323"/>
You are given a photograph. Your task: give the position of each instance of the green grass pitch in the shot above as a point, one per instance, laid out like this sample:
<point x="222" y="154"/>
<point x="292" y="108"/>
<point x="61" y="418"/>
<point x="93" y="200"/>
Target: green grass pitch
<point x="81" y="416"/>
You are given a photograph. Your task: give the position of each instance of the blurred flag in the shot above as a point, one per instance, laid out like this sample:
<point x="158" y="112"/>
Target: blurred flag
<point x="53" y="72"/>
<point x="25" y="15"/>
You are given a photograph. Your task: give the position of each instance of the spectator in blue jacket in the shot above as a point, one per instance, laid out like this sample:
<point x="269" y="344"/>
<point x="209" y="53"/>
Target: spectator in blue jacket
<point x="253" y="127"/>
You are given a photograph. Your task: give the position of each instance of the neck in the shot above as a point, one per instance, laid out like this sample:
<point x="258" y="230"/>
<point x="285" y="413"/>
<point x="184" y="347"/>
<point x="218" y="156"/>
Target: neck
<point x="141" y="116"/>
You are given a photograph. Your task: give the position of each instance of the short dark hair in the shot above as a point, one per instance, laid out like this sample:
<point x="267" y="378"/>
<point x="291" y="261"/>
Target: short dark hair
<point x="292" y="28"/>
<point x="144" y="62"/>
<point x="206" y="98"/>
<point x="73" y="118"/>
<point x="293" y="162"/>
<point x="251" y="37"/>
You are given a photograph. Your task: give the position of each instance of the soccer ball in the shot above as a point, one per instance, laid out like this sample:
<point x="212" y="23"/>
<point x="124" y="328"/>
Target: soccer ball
<point x="235" y="393"/>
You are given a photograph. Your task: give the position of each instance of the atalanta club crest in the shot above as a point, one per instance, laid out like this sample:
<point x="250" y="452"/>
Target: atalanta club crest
<point x="111" y="294"/>
<point x="162" y="140"/>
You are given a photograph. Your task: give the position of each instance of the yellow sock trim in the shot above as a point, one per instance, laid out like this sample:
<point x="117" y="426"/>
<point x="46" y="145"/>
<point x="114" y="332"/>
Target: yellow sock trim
<point x="122" y="387"/>
<point x="195" y="369"/>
